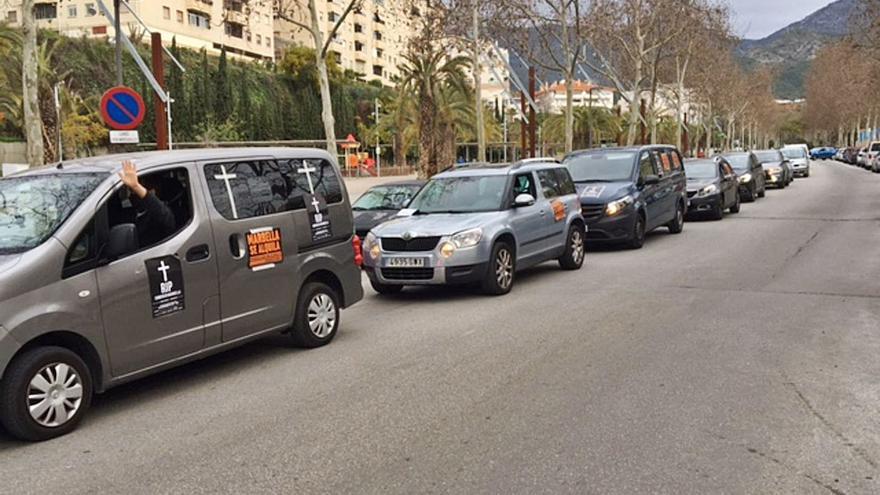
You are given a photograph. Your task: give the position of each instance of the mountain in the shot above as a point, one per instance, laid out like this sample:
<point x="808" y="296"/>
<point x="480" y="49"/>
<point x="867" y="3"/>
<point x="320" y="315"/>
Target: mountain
<point x="792" y="48"/>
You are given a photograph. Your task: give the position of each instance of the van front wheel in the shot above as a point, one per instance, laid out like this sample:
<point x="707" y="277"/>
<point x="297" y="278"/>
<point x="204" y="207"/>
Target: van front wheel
<point x="317" y="316"/>
<point x="45" y="394"/>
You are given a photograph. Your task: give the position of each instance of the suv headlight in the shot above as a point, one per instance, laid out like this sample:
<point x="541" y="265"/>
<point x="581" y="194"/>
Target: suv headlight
<point x="371" y="245"/>
<point x="746" y="177"/>
<point x="468" y="238"/>
<point x="707" y="191"/>
<point x="615" y="207"/>
<point x="773" y="171"/>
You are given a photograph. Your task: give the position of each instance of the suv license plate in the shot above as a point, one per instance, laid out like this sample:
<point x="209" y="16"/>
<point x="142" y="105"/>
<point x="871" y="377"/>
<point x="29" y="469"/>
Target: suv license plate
<point x="406" y="262"/>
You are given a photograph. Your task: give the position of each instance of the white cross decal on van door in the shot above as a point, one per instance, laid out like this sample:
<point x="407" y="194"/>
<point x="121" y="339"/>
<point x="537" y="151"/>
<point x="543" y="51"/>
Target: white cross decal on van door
<point x="225" y="176"/>
<point x="308" y="170"/>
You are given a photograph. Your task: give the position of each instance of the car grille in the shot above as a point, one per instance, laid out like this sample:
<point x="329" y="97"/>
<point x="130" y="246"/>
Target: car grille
<point x="396" y="244"/>
<point x="592" y="212"/>
<point x="408" y="273"/>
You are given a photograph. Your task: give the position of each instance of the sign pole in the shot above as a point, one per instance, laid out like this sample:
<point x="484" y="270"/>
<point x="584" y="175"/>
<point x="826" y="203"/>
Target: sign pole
<point x="118" y="47"/>
<point x="159" y="105"/>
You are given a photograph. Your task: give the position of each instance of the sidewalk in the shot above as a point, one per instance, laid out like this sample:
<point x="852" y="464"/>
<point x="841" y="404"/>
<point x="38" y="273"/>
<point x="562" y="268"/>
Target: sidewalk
<point x="359" y="185"/>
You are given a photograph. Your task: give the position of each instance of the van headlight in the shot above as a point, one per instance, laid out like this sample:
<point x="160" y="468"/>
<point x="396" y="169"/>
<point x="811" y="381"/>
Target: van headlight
<point x="744" y="178"/>
<point x="707" y="191"/>
<point x="615" y="207"/>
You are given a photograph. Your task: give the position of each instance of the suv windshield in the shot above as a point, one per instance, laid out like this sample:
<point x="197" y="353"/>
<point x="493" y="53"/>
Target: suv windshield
<point x="461" y="194"/>
<point x="768" y="156"/>
<point x="610" y="166"/>
<point x="794" y="153"/>
<point x="701" y="169"/>
<point x="386" y="198"/>
<point x="32" y="207"/>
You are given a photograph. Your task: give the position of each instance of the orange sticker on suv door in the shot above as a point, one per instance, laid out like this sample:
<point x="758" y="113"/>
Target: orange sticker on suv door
<point x="558" y="210"/>
<point x="264" y="248"/>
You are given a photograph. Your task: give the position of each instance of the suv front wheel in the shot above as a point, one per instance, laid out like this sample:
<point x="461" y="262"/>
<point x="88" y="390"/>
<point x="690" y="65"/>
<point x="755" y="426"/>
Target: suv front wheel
<point x="45" y="393"/>
<point x="502" y="270"/>
<point x="573" y="257"/>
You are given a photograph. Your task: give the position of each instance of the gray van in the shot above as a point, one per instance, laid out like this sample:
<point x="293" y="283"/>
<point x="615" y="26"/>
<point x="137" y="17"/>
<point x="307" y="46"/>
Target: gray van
<point x="262" y="241"/>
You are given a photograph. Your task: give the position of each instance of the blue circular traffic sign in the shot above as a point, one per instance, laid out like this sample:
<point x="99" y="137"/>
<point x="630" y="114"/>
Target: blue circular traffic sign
<point x="122" y="108"/>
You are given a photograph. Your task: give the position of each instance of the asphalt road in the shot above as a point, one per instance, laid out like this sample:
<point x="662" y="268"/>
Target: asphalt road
<point x="738" y="357"/>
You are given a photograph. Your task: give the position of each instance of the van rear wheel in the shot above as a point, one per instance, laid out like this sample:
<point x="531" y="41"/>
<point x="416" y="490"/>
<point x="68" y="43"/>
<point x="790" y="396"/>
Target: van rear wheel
<point x="45" y="394"/>
<point x="317" y="316"/>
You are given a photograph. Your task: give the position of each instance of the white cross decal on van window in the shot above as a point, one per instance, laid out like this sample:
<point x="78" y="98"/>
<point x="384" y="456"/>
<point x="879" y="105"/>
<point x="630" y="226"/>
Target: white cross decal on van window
<point x="308" y="170"/>
<point x="164" y="269"/>
<point x="225" y="176"/>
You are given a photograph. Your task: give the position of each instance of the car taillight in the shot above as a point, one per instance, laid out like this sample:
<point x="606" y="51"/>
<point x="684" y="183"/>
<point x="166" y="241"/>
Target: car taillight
<point x="358" y="250"/>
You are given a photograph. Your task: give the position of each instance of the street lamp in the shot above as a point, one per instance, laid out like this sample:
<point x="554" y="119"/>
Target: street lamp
<point x="378" y="149"/>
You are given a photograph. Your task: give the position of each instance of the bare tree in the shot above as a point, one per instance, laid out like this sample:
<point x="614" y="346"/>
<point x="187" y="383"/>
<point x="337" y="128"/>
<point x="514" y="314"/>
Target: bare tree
<point x="292" y="12"/>
<point x="33" y="124"/>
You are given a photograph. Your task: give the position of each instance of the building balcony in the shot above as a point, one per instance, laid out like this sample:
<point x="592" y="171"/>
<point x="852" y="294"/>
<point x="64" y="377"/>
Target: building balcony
<point x="236" y="17"/>
<point x="199" y="6"/>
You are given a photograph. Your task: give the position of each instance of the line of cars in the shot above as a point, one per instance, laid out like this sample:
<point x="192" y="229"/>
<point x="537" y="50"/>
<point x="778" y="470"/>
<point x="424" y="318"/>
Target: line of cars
<point x="867" y="157"/>
<point x="481" y="223"/>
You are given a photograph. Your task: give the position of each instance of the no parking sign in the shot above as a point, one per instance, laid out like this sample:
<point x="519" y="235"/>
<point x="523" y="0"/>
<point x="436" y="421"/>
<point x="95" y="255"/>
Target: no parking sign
<point x="122" y="108"/>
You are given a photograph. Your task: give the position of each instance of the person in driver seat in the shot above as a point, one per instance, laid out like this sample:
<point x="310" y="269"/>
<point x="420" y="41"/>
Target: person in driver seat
<point x="155" y="219"/>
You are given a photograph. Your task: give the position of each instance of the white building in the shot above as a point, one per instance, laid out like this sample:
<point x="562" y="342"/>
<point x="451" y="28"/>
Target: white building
<point x="551" y="97"/>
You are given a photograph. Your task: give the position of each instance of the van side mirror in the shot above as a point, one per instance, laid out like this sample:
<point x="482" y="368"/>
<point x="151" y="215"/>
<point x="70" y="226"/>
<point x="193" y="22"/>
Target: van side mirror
<point x="123" y="240"/>
<point x="524" y="199"/>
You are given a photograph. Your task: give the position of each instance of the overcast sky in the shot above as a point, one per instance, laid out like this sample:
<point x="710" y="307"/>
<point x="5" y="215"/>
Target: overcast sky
<point x="758" y="18"/>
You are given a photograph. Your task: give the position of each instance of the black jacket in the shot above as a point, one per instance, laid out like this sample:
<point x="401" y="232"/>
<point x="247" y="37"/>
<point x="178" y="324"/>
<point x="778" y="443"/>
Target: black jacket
<point x="155" y="220"/>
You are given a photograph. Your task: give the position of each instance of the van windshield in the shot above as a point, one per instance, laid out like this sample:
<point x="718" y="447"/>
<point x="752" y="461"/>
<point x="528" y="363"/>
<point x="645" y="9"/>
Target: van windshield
<point x="740" y="163"/>
<point x="32" y="207"/>
<point x="610" y="166"/>
<point x="794" y="153"/>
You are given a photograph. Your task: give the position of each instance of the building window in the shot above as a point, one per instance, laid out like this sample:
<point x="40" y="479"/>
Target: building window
<point x="44" y="11"/>
<point x="377" y="35"/>
<point x="234" y="5"/>
<point x="90" y="10"/>
<point x="12" y="16"/>
<point x="378" y="19"/>
<point x="259" y="40"/>
<point x="358" y="46"/>
<point x="198" y="20"/>
<point x="180" y="16"/>
<point x="331" y="16"/>
<point x="377" y="70"/>
<point x="71" y="11"/>
<point x="379" y="53"/>
<point x="234" y="30"/>
<point x="99" y="30"/>
<point x="358" y="28"/>
<point x="166" y="13"/>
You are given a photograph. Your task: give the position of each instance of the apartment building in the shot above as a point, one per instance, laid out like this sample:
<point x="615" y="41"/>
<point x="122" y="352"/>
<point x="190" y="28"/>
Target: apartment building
<point x="551" y="97"/>
<point x="371" y="41"/>
<point x="244" y="27"/>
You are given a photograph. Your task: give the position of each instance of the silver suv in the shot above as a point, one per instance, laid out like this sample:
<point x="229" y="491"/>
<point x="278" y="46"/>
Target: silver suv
<point x="479" y="224"/>
<point x="102" y="283"/>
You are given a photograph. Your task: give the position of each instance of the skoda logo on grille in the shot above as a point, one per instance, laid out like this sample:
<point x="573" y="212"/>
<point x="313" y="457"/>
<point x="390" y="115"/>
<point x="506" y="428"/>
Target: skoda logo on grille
<point x="407" y="236"/>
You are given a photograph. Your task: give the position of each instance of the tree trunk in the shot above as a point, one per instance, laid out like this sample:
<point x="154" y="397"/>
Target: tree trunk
<point x="323" y="82"/>
<point x="478" y="90"/>
<point x="427" y="138"/>
<point x="569" y="112"/>
<point x="399" y="152"/>
<point x="33" y="124"/>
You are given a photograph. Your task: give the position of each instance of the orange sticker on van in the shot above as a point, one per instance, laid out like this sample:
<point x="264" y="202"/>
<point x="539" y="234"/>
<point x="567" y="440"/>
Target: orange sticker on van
<point x="558" y="210"/>
<point x="264" y="248"/>
<point x="665" y="159"/>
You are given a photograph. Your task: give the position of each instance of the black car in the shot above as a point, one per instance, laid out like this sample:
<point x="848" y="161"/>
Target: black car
<point x="777" y="169"/>
<point x="750" y="174"/>
<point x="627" y="192"/>
<point x="381" y="203"/>
<point x="712" y="187"/>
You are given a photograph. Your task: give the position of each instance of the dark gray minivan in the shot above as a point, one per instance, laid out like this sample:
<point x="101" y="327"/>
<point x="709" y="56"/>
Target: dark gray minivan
<point x="262" y="241"/>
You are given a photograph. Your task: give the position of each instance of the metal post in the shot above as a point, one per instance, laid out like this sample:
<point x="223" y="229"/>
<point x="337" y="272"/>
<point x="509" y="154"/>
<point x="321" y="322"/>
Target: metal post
<point x="158" y="104"/>
<point x="117" y="26"/>
<point x="57" y="94"/>
<point x="378" y="149"/>
<point x="642" y="127"/>
<point x="168" y="117"/>
<point x="522" y="126"/>
<point x="533" y="121"/>
<point x="504" y="125"/>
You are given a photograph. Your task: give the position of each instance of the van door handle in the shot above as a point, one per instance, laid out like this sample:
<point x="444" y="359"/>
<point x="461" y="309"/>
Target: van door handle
<point x="237" y="246"/>
<point x="198" y="253"/>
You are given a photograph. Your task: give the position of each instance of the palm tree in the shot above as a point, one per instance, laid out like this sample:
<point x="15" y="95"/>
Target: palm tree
<point x="431" y="79"/>
<point x="592" y="125"/>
